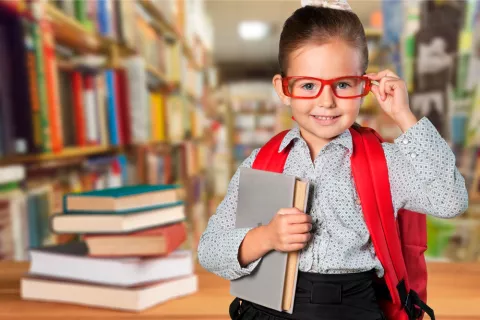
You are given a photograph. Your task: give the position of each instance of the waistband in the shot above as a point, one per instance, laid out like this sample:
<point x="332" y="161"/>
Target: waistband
<point x="333" y="296"/>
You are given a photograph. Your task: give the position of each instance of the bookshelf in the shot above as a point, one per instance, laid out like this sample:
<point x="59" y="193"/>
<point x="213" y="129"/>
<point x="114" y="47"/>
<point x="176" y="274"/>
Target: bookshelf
<point x="166" y="27"/>
<point x="72" y="33"/>
<point x="67" y="153"/>
<point x="138" y="117"/>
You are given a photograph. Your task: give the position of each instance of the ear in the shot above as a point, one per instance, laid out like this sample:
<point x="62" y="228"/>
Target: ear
<point x="277" y="84"/>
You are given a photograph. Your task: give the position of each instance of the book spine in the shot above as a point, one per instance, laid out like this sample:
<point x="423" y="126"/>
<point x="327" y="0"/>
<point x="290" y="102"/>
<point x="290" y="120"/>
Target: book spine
<point x="89" y="110"/>
<point x="51" y="73"/>
<point x="81" y="11"/>
<point x="123" y="101"/>
<point x="33" y="89"/>
<point x="5" y="95"/>
<point x="78" y="108"/>
<point x="119" y="107"/>
<point x="101" y="108"/>
<point x="42" y="90"/>
<point x="104" y="17"/>
<point x="111" y="107"/>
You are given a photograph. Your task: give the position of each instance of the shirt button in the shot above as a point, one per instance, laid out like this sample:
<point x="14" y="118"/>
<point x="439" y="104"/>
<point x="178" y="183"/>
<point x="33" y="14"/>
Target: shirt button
<point x="413" y="155"/>
<point x="405" y="141"/>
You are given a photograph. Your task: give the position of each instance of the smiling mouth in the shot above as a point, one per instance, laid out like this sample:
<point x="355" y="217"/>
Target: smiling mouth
<point x="325" y="118"/>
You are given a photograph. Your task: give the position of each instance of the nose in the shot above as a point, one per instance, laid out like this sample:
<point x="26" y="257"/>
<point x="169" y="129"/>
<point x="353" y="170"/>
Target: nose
<point x="326" y="98"/>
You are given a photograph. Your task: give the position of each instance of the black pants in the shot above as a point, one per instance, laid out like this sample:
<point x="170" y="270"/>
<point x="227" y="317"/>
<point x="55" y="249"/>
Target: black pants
<point x="321" y="297"/>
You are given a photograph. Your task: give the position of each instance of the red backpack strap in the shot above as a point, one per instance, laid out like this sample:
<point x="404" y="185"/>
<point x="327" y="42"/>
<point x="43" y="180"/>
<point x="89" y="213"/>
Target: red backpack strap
<point x="361" y="171"/>
<point x="268" y="158"/>
<point x="370" y="171"/>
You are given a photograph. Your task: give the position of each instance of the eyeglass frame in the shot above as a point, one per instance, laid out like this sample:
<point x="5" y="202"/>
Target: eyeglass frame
<point x="368" y="86"/>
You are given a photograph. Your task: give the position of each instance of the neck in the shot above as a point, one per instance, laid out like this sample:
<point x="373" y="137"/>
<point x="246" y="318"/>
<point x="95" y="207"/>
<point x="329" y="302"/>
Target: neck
<point x="314" y="143"/>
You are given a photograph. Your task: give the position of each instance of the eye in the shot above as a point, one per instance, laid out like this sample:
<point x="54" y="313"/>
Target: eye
<point x="343" y="85"/>
<point x="308" y="86"/>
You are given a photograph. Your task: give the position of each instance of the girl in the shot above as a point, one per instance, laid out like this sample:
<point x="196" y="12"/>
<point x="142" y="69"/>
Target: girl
<point x="318" y="43"/>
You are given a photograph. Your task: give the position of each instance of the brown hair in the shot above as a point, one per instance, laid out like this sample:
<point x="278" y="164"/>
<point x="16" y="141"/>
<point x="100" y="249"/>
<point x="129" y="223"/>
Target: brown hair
<point x="321" y="25"/>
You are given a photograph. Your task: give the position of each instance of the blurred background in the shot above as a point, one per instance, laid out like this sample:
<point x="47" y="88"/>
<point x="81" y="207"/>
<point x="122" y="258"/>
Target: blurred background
<point x="97" y="94"/>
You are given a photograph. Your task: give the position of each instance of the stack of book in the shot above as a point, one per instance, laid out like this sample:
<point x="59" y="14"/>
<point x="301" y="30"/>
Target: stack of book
<point x="129" y="257"/>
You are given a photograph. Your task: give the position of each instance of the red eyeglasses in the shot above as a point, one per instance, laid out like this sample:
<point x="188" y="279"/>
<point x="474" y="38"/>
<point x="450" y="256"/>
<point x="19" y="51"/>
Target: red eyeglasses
<point x="310" y="88"/>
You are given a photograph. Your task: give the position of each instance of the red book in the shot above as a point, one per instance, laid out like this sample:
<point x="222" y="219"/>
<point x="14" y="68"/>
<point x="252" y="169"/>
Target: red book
<point x="123" y="107"/>
<point x="152" y="242"/>
<point x="80" y="130"/>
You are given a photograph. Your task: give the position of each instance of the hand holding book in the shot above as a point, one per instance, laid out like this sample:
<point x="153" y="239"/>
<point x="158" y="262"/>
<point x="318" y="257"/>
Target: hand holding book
<point x="289" y="230"/>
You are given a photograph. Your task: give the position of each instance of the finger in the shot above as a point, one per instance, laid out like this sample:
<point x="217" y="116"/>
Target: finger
<point x="299" y="238"/>
<point x="298" y="218"/>
<point x="382" y="74"/>
<point x="383" y="87"/>
<point x="294" y="247"/>
<point x="376" y="92"/>
<point x="289" y="211"/>
<point x="300" y="228"/>
<point x="390" y="86"/>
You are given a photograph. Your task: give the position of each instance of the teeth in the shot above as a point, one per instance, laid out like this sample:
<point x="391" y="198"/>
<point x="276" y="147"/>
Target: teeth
<point x="324" y="118"/>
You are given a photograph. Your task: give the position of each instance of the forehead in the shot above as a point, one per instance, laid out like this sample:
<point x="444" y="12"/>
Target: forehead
<point x="327" y="61"/>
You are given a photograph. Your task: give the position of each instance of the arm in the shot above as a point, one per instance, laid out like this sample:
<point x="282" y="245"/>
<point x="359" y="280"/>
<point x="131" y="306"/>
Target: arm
<point x="422" y="173"/>
<point x="218" y="249"/>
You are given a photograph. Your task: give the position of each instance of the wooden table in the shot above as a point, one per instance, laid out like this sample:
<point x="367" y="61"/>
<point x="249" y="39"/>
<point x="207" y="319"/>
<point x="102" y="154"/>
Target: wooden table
<point x="454" y="293"/>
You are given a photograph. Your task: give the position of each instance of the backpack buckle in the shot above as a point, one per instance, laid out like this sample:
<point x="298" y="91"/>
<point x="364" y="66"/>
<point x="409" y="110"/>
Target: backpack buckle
<point x="414" y="307"/>
<point x="411" y="309"/>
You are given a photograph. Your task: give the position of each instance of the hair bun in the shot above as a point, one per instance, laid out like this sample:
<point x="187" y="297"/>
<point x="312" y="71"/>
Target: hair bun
<point x="332" y="4"/>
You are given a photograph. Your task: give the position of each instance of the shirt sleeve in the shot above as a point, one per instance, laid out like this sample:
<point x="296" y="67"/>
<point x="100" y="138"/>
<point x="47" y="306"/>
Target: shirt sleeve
<point x="220" y="242"/>
<point x="423" y="174"/>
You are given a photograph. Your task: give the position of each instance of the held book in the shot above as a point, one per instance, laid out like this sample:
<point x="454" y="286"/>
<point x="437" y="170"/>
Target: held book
<point x="261" y="195"/>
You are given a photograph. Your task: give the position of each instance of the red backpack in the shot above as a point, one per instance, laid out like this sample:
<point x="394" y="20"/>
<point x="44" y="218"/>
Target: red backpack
<point x="399" y="244"/>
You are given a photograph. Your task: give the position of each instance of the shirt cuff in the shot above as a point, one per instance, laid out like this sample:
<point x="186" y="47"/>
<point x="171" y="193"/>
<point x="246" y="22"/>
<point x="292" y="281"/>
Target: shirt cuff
<point x="418" y="138"/>
<point x="237" y="238"/>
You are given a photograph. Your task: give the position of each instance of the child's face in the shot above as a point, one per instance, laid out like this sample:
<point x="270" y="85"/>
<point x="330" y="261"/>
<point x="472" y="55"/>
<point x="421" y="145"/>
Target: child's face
<point x="332" y="60"/>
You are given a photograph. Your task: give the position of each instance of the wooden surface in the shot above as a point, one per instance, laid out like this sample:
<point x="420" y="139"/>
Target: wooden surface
<point x="454" y="293"/>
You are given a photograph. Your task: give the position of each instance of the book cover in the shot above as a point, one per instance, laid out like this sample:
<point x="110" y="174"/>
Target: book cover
<point x="261" y="194"/>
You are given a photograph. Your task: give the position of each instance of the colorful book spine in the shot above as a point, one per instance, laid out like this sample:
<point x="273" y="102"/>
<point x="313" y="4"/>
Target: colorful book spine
<point x="111" y="108"/>
<point x="42" y="90"/>
<point x="51" y="73"/>
<point x="89" y="110"/>
<point x="101" y="108"/>
<point x="104" y="14"/>
<point x="33" y="87"/>
<point x="78" y="106"/>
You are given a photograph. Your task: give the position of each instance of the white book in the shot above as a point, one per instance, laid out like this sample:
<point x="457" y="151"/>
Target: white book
<point x="129" y="299"/>
<point x="70" y="261"/>
<point x="10" y="174"/>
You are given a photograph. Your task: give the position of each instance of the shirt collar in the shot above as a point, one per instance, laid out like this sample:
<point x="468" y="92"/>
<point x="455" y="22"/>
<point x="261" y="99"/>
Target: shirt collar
<point x="344" y="139"/>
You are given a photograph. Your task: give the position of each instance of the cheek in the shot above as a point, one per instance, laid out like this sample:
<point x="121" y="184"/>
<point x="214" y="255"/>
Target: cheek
<point x="300" y="106"/>
<point x="349" y="107"/>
